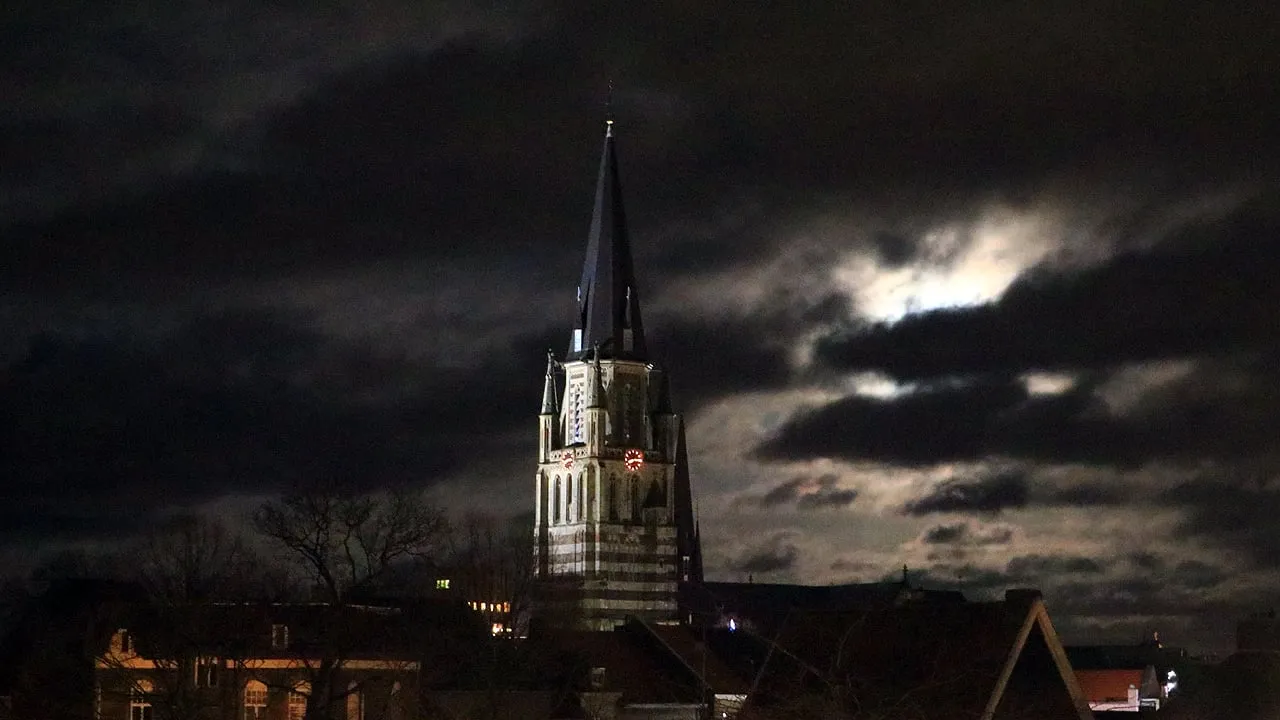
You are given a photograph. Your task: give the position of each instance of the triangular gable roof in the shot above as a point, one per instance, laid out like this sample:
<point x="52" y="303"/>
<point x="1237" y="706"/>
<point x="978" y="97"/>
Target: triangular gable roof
<point x="692" y="651"/>
<point x="947" y="660"/>
<point x="630" y="668"/>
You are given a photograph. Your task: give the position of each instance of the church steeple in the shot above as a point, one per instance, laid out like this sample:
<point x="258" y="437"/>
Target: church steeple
<point x="550" y="403"/>
<point x="608" y="315"/>
<point x="616" y="535"/>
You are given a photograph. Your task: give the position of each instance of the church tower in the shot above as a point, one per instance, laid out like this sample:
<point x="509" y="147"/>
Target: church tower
<point x="614" y="528"/>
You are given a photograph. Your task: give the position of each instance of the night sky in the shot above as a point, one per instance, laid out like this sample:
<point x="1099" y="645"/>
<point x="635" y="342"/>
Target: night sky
<point x="984" y="288"/>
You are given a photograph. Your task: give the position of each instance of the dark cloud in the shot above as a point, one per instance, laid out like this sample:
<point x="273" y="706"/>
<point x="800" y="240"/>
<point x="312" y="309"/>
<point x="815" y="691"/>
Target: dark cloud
<point x="805" y="493"/>
<point x="1084" y="495"/>
<point x="967" y="535"/>
<point x="1234" y="513"/>
<point x="893" y="249"/>
<point x="783" y="494"/>
<point x="932" y="425"/>
<point x="1218" y="412"/>
<point x="106" y="431"/>
<point x="742" y="360"/>
<point x="1039" y="568"/>
<point x="943" y="534"/>
<point x="827" y="498"/>
<point x="1197" y="575"/>
<point x="1147" y="561"/>
<point x="157" y="157"/>
<point x="776" y="554"/>
<point x="989" y="494"/>
<point x="1207" y="290"/>
<point x="846" y="565"/>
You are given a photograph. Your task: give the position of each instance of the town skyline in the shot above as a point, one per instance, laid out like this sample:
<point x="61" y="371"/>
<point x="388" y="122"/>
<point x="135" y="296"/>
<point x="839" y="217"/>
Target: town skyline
<point x="990" y="294"/>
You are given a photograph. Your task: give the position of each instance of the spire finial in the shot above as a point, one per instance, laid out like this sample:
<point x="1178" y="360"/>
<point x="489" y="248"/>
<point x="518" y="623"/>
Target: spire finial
<point x="608" y="111"/>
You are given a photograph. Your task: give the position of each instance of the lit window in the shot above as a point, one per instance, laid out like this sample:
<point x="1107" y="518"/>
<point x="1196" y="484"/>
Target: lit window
<point x="255" y="700"/>
<point x="442" y="584"/>
<point x="497" y="628"/>
<point x="506" y="607"/>
<point x="298" y="701"/>
<point x="140" y="701"/>
<point x="123" y="641"/>
<point x="279" y="637"/>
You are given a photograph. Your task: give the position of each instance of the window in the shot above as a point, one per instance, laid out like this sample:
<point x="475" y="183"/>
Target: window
<point x="207" y="672"/>
<point x="298" y="701"/>
<point x="355" y="702"/>
<point x="140" y="701"/>
<point x="123" y="641"/>
<point x="255" y="700"/>
<point x="575" y="404"/>
<point x="442" y="584"/>
<point x="395" y="703"/>
<point x="279" y="637"/>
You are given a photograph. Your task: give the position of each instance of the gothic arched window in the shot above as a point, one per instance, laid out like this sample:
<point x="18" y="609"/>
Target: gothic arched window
<point x="555" y="502"/>
<point x="255" y="700"/>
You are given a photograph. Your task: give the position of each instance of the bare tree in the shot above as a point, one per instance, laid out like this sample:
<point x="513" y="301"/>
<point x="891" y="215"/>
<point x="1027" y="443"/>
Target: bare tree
<point x="348" y="544"/>
<point x="182" y="649"/>
<point x="196" y="559"/>
<point x="490" y="561"/>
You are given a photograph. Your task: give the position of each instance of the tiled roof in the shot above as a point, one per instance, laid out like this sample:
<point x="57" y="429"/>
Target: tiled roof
<point x="1104" y="685"/>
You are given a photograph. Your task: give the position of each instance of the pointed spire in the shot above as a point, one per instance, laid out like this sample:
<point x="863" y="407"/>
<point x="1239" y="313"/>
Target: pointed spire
<point x="550" y="400"/>
<point x="608" y="302"/>
<point x="595" y="383"/>
<point x="662" y="404"/>
<point x="688" y="544"/>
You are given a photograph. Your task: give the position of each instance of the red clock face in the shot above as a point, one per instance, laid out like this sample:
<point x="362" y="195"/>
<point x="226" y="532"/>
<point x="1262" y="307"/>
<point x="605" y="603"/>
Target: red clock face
<point x="633" y="459"/>
<point x="566" y="459"/>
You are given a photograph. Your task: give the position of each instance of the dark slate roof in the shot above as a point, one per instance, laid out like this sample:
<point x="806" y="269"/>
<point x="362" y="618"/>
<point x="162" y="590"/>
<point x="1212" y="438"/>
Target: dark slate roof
<point x="694" y="649"/>
<point x="637" y="670"/>
<point x="245" y="629"/>
<point x="765" y="605"/>
<point x="608" y="300"/>
<point x="926" y="660"/>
